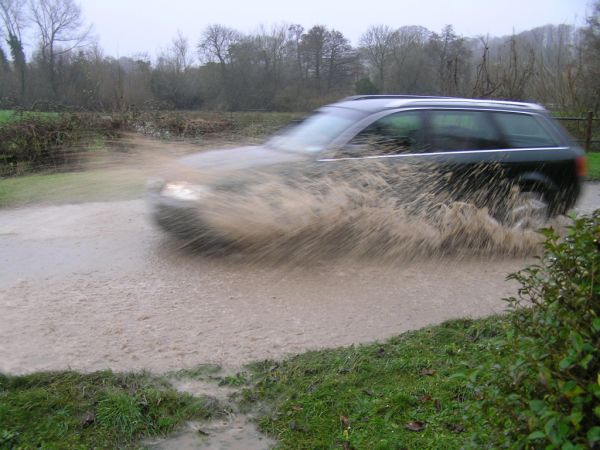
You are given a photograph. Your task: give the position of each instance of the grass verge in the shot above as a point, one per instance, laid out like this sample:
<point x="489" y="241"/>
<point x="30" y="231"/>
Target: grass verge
<point x="101" y="410"/>
<point x="72" y="187"/>
<point x="593" y="166"/>
<point x="404" y="393"/>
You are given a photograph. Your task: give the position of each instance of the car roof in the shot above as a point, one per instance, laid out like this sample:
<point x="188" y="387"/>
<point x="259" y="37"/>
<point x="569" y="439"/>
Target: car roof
<point x="374" y="103"/>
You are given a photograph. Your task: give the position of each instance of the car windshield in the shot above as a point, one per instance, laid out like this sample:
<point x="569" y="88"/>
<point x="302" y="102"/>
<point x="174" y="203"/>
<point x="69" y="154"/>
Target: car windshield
<point x="315" y="132"/>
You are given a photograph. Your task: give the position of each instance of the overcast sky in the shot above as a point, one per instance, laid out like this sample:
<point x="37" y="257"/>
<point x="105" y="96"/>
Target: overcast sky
<point x="127" y="27"/>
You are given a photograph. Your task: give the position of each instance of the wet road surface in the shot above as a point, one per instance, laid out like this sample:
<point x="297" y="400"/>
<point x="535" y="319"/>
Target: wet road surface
<point x="95" y="285"/>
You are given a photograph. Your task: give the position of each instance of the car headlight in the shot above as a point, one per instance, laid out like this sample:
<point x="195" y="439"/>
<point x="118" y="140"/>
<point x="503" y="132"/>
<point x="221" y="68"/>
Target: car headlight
<point x="182" y="190"/>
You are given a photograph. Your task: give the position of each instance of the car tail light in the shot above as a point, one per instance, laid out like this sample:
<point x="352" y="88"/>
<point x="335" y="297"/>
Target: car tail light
<point x="581" y="166"/>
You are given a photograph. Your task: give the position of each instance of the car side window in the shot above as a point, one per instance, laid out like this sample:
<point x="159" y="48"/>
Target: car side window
<point x="463" y="130"/>
<point x="524" y="130"/>
<point x="402" y="132"/>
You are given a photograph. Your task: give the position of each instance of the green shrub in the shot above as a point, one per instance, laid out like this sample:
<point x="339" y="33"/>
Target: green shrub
<point x="45" y="141"/>
<point x="549" y="395"/>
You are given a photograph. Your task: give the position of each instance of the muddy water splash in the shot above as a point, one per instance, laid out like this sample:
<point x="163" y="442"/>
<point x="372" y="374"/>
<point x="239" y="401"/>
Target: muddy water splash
<point x="387" y="212"/>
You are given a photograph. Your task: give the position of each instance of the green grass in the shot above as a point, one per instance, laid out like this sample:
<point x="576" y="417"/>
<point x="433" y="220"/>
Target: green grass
<point x="72" y="187"/>
<point x="369" y="396"/>
<point x="593" y="160"/>
<point x="101" y="410"/>
<point x="7" y="115"/>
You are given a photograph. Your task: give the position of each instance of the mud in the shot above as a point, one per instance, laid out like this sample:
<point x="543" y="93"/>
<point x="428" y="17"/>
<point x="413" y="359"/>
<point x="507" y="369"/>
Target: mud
<point x="234" y="430"/>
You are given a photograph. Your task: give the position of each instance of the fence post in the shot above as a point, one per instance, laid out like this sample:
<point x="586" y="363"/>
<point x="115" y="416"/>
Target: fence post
<point x="588" y="131"/>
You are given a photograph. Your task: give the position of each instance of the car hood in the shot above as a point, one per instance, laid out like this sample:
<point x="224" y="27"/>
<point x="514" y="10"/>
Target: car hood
<point x="240" y="158"/>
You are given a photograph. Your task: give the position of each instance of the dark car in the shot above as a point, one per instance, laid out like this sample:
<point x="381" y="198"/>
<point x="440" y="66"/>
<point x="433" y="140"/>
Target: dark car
<point x="475" y="145"/>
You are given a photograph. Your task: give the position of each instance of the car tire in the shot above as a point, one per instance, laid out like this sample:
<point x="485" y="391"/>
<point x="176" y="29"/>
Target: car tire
<point x="529" y="210"/>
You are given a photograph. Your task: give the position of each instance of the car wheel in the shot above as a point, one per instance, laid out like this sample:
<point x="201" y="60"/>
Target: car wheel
<point x="529" y="211"/>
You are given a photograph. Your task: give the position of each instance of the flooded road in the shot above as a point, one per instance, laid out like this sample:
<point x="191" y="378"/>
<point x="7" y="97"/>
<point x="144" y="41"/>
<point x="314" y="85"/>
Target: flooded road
<point x="94" y="285"/>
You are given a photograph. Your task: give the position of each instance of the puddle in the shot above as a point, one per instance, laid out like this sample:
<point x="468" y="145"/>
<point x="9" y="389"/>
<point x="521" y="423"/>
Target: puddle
<point x="235" y="432"/>
<point x="199" y="388"/>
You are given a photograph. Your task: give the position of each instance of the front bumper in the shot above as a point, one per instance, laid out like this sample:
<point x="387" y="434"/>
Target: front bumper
<point x="183" y="219"/>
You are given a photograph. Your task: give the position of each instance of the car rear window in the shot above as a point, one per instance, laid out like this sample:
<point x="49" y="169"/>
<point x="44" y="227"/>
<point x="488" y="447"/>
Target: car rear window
<point x="453" y="130"/>
<point x="524" y="130"/>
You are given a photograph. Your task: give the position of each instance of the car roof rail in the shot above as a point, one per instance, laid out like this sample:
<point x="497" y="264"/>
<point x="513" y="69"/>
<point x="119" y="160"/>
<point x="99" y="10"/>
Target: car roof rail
<point x="424" y="98"/>
<point x="390" y="96"/>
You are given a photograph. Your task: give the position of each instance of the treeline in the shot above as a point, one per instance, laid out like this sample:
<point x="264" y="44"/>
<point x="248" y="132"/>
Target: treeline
<point x="288" y="67"/>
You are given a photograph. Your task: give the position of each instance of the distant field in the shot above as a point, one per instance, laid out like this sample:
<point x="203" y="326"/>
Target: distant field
<point x="7" y="115"/>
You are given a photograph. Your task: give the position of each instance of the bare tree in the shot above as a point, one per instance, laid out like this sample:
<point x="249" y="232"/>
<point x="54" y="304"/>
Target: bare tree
<point x="215" y="43"/>
<point x="517" y="70"/>
<point x="61" y="28"/>
<point x="312" y="49"/>
<point x="485" y="85"/>
<point x="452" y="57"/>
<point x="378" y="44"/>
<point x="273" y="45"/>
<point x="339" y="58"/>
<point x="411" y="68"/>
<point x="181" y="51"/>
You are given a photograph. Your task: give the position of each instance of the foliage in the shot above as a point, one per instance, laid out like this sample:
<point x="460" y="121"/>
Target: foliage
<point x="557" y="332"/>
<point x="548" y="395"/>
<point x="100" y="410"/>
<point x="365" y="86"/>
<point x="32" y="141"/>
<point x="397" y="394"/>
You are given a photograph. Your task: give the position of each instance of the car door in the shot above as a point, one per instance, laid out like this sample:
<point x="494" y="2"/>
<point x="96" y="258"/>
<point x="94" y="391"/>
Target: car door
<point x="468" y="145"/>
<point x="384" y="153"/>
<point x="538" y="158"/>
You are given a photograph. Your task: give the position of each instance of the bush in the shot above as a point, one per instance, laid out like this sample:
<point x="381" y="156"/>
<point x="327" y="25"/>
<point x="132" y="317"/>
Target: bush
<point x="549" y="396"/>
<point x="40" y="141"/>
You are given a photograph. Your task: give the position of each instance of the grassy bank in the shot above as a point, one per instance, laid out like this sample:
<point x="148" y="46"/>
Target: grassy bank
<point x="72" y="187"/>
<point x="402" y="393"/>
<point x="101" y="410"/>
